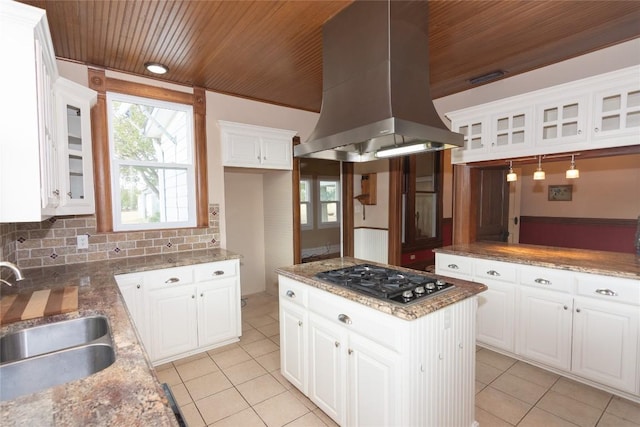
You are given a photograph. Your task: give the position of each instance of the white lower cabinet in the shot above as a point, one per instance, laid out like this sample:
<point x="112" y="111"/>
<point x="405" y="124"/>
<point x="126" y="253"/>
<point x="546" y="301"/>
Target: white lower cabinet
<point x="184" y="310"/>
<point x="605" y="343"/>
<point x="545" y="327"/>
<point x="496" y="315"/>
<point x="585" y="325"/>
<point x="363" y="367"/>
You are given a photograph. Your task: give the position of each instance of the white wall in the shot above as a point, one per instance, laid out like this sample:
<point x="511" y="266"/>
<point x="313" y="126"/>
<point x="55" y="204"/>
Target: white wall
<point x="607" y="188"/>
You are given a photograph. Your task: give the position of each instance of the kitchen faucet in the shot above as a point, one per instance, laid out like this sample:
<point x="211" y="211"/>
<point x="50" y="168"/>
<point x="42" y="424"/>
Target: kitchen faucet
<point x="14" y="268"/>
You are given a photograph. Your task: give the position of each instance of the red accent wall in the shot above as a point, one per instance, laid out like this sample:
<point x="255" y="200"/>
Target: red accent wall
<point x="582" y="233"/>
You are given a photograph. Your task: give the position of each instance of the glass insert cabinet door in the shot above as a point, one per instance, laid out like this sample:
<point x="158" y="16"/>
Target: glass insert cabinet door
<point x="73" y="105"/>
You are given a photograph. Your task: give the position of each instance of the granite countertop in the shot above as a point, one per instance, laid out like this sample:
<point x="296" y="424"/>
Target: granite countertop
<point x="305" y="273"/>
<point x="127" y="392"/>
<point x="614" y="264"/>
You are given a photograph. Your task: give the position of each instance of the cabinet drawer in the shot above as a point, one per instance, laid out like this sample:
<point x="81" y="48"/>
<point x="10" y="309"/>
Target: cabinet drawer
<point x="292" y="291"/>
<point x="454" y="265"/>
<point x="215" y="270"/>
<point x="168" y="277"/>
<point x="357" y="318"/>
<point x="494" y="270"/>
<point x="547" y="278"/>
<point x="614" y="289"/>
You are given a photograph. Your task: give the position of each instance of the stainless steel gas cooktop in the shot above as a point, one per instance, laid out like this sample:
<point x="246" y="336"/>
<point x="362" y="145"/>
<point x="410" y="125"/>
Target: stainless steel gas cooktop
<point x="385" y="283"/>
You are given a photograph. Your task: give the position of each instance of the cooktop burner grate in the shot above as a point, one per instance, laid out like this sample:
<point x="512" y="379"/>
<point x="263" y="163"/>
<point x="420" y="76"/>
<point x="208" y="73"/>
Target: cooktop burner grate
<point x="385" y="283"/>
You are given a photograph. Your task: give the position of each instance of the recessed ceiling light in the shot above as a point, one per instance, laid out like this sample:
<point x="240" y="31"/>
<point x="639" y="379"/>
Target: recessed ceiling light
<point x="156" y="67"/>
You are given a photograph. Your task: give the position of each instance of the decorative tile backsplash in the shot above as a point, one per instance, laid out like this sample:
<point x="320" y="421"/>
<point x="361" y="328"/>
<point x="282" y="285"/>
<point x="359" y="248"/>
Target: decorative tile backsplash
<point x="54" y="241"/>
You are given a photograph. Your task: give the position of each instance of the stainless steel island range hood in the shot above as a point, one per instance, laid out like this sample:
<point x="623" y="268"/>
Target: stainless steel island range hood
<point x="376" y="85"/>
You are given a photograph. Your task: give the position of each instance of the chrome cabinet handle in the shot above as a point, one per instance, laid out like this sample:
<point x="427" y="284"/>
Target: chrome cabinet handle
<point x="493" y="273"/>
<point x="56" y="192"/>
<point x="218" y="273"/>
<point x="291" y="294"/>
<point x="337" y="344"/>
<point x="344" y="319"/>
<point x="453" y="266"/>
<point x="350" y="351"/>
<point x="543" y="281"/>
<point x="607" y="292"/>
<point x="172" y="280"/>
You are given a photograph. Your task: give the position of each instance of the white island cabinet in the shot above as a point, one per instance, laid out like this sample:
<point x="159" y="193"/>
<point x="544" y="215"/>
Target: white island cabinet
<point x="184" y="310"/>
<point x="364" y="367"/>
<point x="581" y="325"/>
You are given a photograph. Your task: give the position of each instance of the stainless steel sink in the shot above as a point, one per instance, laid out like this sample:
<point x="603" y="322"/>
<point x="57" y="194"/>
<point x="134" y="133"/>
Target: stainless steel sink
<point x="51" y="337"/>
<point x="40" y="357"/>
<point x="37" y="373"/>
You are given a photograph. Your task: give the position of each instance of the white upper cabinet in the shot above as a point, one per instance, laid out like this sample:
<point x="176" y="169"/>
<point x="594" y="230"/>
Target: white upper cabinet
<point x="74" y="150"/>
<point x="45" y="140"/>
<point x="597" y="112"/>
<point x="28" y="146"/>
<point x="252" y="146"/>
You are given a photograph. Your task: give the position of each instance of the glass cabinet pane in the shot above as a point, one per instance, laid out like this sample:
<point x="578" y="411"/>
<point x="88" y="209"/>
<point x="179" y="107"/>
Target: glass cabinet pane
<point x="74" y="141"/>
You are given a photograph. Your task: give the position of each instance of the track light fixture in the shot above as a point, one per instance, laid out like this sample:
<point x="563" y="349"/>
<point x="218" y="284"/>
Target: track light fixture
<point x="539" y="174"/>
<point x="573" y="172"/>
<point x="511" y="176"/>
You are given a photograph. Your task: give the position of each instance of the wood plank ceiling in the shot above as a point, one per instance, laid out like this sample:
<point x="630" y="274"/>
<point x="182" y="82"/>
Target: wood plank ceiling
<point x="272" y="50"/>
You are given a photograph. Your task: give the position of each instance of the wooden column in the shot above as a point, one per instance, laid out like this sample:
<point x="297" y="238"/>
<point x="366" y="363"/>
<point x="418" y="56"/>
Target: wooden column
<point x="395" y="211"/>
<point x="347" y="209"/>
<point x="100" y="147"/>
<point x="465" y="204"/>
<point x="295" y="186"/>
<point x="200" y="156"/>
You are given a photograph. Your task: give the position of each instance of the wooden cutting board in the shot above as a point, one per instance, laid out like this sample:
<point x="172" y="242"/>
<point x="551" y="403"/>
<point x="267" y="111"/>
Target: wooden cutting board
<point x="30" y="305"/>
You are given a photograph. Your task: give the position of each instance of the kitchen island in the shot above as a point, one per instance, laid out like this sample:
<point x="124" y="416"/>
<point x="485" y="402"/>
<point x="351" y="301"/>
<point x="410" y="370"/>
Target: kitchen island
<point x="367" y="361"/>
<point x="125" y="393"/>
<point x="574" y="312"/>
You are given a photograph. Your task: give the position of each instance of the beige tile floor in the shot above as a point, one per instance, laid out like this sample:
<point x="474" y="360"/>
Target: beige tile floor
<point x="240" y="385"/>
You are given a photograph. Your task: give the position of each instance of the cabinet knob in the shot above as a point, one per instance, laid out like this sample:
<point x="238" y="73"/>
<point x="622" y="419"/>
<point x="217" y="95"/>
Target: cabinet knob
<point x="453" y="266"/>
<point x="172" y="280"/>
<point x="337" y="344"/>
<point x="460" y="346"/>
<point x="258" y="157"/>
<point x="580" y="131"/>
<point x="264" y="157"/>
<point x="493" y="273"/>
<point x="350" y="351"/>
<point x="193" y="297"/>
<point x="607" y="292"/>
<point x="56" y="192"/>
<point x="577" y="310"/>
<point x="299" y="322"/>
<point x="138" y="286"/>
<point x="69" y="193"/>
<point x="543" y="281"/>
<point x="344" y="319"/>
<point x="291" y="294"/>
<point x="218" y="273"/>
<point x="596" y="130"/>
<point x="565" y="307"/>
<point x="202" y="294"/>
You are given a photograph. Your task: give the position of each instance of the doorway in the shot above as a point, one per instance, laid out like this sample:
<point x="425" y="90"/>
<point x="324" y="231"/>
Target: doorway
<point x="493" y="206"/>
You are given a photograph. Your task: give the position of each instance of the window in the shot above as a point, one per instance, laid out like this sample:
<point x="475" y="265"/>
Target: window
<point x="151" y="149"/>
<point x="329" y="206"/>
<point x="306" y="205"/>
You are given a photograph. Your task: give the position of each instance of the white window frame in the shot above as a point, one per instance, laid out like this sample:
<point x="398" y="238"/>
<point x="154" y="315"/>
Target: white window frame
<point x="116" y="163"/>
<point x="322" y="224"/>
<point x="310" y="204"/>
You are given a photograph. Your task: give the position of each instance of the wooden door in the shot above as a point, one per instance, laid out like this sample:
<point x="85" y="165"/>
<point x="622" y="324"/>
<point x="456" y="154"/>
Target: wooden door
<point x="493" y="212"/>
